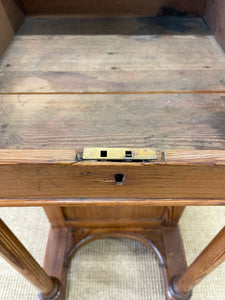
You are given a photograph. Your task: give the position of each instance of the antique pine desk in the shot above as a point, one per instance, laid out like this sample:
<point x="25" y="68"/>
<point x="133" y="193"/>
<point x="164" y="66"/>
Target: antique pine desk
<point x="148" y="92"/>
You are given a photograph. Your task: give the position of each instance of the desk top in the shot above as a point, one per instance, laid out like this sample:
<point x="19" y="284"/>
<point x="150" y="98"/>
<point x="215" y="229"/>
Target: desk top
<point x="121" y="82"/>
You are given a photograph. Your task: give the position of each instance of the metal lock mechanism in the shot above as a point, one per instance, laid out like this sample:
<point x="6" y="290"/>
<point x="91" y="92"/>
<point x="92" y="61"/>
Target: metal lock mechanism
<point x="120" y="154"/>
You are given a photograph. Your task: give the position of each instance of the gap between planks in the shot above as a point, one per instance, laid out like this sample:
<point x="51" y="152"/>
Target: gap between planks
<point x="112" y="93"/>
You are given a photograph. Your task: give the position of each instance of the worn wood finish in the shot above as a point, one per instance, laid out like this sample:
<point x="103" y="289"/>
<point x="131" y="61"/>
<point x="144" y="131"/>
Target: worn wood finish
<point x="63" y="244"/>
<point x="160" y="179"/>
<point x="8" y="156"/>
<point x="206" y="262"/>
<point x="214" y="15"/>
<point x="212" y="157"/>
<point x="142" y="180"/>
<point x="43" y="63"/>
<point x="14" y="252"/>
<point x="122" y="7"/>
<point x="174" y="121"/>
<point x="113" y="216"/>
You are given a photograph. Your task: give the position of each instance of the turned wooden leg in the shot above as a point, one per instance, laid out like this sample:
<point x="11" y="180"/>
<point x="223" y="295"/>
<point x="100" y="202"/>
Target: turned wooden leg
<point x="15" y="253"/>
<point x="213" y="255"/>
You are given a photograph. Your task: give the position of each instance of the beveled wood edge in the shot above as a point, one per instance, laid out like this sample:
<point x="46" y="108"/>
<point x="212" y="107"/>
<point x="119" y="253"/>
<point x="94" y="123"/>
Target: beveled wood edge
<point x="215" y="157"/>
<point x="20" y="156"/>
<point x="44" y="202"/>
<point x="61" y="156"/>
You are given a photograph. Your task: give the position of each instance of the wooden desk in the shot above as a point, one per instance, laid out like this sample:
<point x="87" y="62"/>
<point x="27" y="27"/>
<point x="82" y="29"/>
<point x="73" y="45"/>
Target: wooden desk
<point x="111" y="82"/>
<point x="77" y="198"/>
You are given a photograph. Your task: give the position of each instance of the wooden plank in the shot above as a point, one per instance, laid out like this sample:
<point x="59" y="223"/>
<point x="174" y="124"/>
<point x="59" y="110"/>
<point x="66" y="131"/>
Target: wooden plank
<point x="114" y="80"/>
<point x="115" y="223"/>
<point x="215" y="17"/>
<point x="179" y="121"/>
<point x="11" y="17"/>
<point x="93" y="53"/>
<point x="141" y="57"/>
<point x="97" y="179"/>
<point x="113" y="216"/>
<point x="113" y="212"/>
<point x="116" y="7"/>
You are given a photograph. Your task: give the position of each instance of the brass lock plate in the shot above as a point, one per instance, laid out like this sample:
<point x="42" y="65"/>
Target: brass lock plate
<point x="120" y="154"/>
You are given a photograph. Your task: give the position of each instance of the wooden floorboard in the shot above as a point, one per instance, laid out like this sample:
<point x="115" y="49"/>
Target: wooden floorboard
<point x="69" y="83"/>
<point x="102" y="55"/>
<point x="169" y="121"/>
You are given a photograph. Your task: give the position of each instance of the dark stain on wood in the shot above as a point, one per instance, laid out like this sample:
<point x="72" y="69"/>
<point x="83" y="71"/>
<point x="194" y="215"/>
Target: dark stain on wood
<point x="104" y="26"/>
<point x="172" y="11"/>
<point x="4" y="125"/>
<point x="171" y="25"/>
<point x="217" y="121"/>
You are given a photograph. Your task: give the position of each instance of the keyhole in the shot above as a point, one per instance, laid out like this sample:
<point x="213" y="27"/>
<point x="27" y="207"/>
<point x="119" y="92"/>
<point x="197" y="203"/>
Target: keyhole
<point x="119" y="179"/>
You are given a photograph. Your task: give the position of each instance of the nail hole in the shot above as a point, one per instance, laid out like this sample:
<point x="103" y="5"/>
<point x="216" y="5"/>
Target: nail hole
<point x="119" y="178"/>
<point x="103" y="153"/>
<point x="128" y="154"/>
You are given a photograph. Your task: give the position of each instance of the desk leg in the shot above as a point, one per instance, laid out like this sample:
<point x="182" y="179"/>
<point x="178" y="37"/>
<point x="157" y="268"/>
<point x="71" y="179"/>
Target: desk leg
<point x="210" y="258"/>
<point x="14" y="252"/>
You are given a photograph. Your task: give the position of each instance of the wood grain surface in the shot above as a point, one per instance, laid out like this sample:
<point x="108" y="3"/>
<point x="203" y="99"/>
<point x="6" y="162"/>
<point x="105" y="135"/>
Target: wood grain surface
<point x="113" y="216"/>
<point x="179" y="121"/>
<point x="87" y="179"/>
<point x="112" y="55"/>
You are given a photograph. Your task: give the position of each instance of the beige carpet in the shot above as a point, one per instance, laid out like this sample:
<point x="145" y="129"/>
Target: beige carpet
<point x="112" y="269"/>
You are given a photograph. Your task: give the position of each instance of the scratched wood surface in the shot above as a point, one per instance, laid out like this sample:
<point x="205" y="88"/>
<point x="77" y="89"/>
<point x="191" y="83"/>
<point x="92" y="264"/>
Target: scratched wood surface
<point x="106" y="54"/>
<point x="97" y="179"/>
<point x="192" y="121"/>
